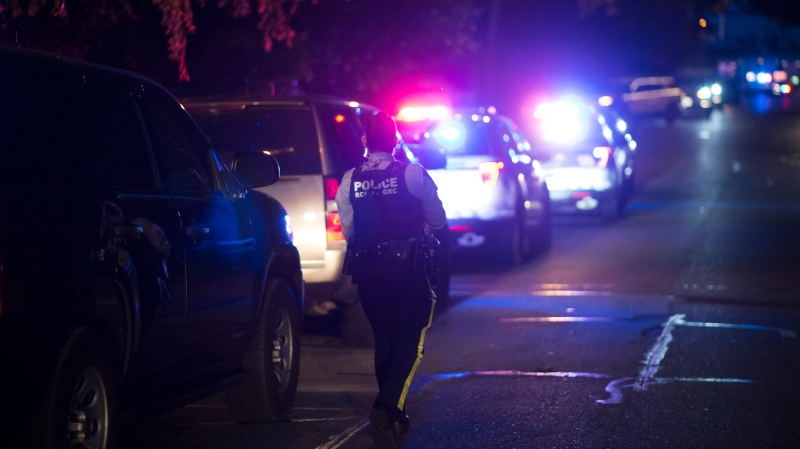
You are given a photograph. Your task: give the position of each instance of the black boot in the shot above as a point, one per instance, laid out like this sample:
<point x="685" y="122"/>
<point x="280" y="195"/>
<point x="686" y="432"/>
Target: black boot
<point x="385" y="435"/>
<point x="402" y="426"/>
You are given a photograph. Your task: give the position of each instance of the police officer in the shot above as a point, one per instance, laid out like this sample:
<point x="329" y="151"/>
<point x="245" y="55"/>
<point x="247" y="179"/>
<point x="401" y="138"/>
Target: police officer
<point x="386" y="207"/>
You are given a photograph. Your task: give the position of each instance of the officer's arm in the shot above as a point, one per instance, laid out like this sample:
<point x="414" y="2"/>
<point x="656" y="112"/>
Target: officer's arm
<point x="421" y="185"/>
<point x="344" y="206"/>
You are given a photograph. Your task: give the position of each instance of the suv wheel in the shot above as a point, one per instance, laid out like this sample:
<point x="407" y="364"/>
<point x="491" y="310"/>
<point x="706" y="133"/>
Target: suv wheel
<point x="82" y="406"/>
<point x="610" y="209"/>
<point x="272" y="363"/>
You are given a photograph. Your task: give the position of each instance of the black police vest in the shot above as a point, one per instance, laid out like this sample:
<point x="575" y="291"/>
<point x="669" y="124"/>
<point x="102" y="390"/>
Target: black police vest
<point x="383" y="207"/>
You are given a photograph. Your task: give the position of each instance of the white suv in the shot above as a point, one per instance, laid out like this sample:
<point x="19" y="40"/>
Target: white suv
<point x="315" y="140"/>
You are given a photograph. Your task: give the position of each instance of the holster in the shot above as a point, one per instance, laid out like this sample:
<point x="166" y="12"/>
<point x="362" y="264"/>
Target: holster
<point x="431" y="251"/>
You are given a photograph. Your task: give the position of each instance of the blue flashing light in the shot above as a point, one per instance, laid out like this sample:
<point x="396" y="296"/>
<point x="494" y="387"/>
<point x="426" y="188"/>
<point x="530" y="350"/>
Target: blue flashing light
<point x="450" y="134"/>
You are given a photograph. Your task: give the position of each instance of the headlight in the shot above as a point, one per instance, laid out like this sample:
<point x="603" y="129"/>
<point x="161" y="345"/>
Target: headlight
<point x="704" y="93"/>
<point x="716" y="89"/>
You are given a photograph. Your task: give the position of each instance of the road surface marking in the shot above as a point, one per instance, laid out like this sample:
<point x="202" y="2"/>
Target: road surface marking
<point x="556" y="319"/>
<point x="657" y="352"/>
<point x="337" y="441"/>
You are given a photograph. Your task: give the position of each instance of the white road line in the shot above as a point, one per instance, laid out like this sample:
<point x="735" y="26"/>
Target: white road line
<point x="338" y="418"/>
<point x="783" y="332"/>
<point x="556" y="319"/>
<point x="337" y="441"/>
<point x="656" y="354"/>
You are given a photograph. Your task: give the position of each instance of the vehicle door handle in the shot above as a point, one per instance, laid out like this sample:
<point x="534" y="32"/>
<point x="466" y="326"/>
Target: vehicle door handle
<point x="197" y="231"/>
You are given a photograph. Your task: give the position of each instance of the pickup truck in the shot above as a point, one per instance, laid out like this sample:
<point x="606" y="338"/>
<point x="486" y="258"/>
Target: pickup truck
<point x="653" y="96"/>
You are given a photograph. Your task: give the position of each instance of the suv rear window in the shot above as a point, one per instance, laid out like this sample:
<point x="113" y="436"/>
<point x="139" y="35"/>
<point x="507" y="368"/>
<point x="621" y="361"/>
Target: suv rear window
<point x="287" y="133"/>
<point x="36" y="147"/>
<point x="342" y="130"/>
<point x="580" y="136"/>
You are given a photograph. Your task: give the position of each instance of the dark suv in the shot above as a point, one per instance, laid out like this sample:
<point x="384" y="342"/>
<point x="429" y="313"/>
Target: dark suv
<point x="137" y="271"/>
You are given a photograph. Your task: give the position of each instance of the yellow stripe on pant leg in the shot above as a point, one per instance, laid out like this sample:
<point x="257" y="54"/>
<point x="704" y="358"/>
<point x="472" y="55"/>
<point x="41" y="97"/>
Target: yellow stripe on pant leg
<point x="402" y="402"/>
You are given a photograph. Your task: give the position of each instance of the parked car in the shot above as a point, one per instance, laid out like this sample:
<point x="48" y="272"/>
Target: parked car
<point x="590" y="162"/>
<point x="496" y="199"/>
<point x="316" y="140"/>
<point x="137" y="271"/>
<point x="653" y="96"/>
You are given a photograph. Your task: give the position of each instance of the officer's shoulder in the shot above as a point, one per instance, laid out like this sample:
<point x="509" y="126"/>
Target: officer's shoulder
<point x="415" y="166"/>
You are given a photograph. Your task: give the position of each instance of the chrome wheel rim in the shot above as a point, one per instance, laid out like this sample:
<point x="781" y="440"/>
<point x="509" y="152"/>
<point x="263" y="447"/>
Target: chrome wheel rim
<point x="282" y="345"/>
<point x="88" y="411"/>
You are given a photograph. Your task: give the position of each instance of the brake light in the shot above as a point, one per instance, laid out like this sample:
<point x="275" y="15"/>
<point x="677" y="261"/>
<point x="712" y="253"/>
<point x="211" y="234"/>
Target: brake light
<point x="490" y="171"/>
<point x="331" y="187"/>
<point x="333" y="223"/>
<point x="333" y="226"/>
<point x="602" y="154"/>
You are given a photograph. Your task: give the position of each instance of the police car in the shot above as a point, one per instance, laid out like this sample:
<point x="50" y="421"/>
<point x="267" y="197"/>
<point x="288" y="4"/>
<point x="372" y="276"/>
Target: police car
<point x="492" y="188"/>
<point x="590" y="162"/>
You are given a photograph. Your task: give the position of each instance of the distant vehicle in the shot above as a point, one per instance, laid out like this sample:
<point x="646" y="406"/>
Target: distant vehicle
<point x="590" y="169"/>
<point x="316" y="140"/>
<point x="137" y="272"/>
<point x="776" y="82"/>
<point x="702" y="95"/>
<point x="492" y="188"/>
<point x="653" y="96"/>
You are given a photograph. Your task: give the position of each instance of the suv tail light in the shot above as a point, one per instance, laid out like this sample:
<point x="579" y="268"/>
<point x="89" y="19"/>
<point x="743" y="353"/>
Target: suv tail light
<point x="333" y="224"/>
<point x="490" y="171"/>
<point x="602" y="154"/>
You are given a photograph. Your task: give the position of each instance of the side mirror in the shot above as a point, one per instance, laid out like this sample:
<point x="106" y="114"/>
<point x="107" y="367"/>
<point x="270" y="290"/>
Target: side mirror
<point x="431" y="159"/>
<point x="254" y="169"/>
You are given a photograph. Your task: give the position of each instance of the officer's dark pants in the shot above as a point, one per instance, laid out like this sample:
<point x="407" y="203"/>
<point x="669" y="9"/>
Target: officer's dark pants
<point x="399" y="307"/>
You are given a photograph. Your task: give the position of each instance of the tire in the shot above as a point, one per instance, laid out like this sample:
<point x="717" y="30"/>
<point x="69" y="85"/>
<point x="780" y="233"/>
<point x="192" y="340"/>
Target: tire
<point x="512" y="247"/>
<point x="272" y="362"/>
<point x="671" y="113"/>
<point x="542" y="237"/>
<point x="610" y="209"/>
<point x="82" y="406"/>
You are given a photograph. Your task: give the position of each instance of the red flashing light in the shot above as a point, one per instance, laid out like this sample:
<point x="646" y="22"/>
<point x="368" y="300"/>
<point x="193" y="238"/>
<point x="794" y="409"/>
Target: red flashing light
<point x="421" y="113"/>
<point x="339" y="118"/>
<point x="461" y="228"/>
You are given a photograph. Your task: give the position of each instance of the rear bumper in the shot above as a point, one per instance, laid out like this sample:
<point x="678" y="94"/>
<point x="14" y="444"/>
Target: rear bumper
<point x="469" y="234"/>
<point x="578" y="201"/>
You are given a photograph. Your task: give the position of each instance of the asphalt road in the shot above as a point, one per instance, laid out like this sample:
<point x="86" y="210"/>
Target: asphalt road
<point x="674" y="327"/>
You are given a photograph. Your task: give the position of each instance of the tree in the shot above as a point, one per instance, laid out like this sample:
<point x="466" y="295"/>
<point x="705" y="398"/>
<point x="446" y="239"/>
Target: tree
<point x="76" y="27"/>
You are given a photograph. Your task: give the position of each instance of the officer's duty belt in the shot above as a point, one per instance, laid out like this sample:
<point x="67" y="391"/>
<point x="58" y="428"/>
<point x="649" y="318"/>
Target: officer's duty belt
<point x="395" y="248"/>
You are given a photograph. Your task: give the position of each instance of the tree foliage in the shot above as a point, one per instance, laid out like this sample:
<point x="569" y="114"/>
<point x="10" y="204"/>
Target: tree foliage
<point x="73" y="27"/>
